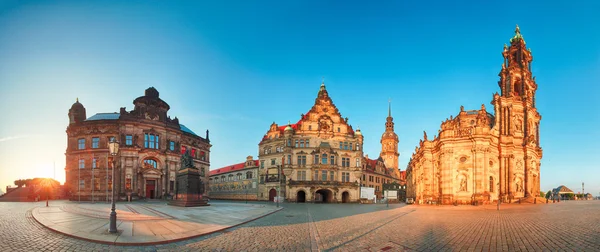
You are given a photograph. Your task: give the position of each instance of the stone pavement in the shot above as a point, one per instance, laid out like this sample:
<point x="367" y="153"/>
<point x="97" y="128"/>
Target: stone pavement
<point x="565" y="226"/>
<point x="141" y="223"/>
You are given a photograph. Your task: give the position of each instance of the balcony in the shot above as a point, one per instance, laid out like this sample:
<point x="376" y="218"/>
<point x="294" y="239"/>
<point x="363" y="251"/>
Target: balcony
<point x="322" y="183"/>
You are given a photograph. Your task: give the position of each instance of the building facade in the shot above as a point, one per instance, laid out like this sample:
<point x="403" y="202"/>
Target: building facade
<point x="375" y="174"/>
<point x="235" y="182"/>
<point x="482" y="157"/>
<point x="151" y="145"/>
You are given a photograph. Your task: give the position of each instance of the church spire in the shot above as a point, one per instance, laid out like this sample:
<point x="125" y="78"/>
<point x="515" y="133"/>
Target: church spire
<point x="390" y="107"/>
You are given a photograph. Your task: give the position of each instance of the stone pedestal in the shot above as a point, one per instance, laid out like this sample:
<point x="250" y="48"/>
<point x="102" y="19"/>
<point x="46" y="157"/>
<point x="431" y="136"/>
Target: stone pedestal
<point x="189" y="189"/>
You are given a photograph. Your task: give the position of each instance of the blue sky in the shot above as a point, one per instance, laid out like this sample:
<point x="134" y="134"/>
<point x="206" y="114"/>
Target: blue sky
<point x="235" y="67"/>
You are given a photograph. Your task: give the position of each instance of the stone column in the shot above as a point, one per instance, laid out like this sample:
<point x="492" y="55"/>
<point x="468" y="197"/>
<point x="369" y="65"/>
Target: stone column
<point x="511" y="175"/>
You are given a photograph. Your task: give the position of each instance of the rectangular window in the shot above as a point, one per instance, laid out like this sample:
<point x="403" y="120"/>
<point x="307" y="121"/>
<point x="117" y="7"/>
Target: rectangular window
<point x="273" y="161"/>
<point x="357" y="162"/>
<point x="306" y="143"/>
<point x="350" y="146"/>
<point x="262" y="163"/>
<point x="150" y="141"/>
<point x="364" y="177"/>
<point x="316" y="160"/>
<point x="345" y="145"/>
<point x="129" y="140"/>
<point x="341" y="145"/>
<point x="82" y="184"/>
<point x="81" y="163"/>
<point x="94" y="163"/>
<point x="96" y="184"/>
<point x="296" y="144"/>
<point x="203" y="156"/>
<point x="345" y="177"/>
<point x="81" y="143"/>
<point x="301" y="175"/>
<point x="332" y="160"/>
<point x="331" y="176"/>
<point x="171" y="146"/>
<point x="316" y="176"/>
<point x="301" y="143"/>
<point x="357" y="146"/>
<point x="95" y="142"/>
<point x="157" y="142"/>
<point x="289" y="142"/>
<point x="171" y="185"/>
<point x="289" y="159"/>
<point x="303" y="161"/>
<point x="323" y="175"/>
<point x="324" y="159"/>
<point x="128" y="184"/>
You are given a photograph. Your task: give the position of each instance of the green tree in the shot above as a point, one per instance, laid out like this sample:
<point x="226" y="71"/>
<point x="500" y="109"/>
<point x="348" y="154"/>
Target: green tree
<point x="548" y="194"/>
<point x="542" y="194"/>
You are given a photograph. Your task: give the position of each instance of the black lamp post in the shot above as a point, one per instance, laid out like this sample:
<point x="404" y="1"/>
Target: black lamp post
<point x="114" y="150"/>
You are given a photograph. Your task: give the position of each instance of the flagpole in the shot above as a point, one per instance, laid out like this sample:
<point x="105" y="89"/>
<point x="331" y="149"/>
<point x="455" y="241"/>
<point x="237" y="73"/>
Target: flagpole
<point x="106" y="176"/>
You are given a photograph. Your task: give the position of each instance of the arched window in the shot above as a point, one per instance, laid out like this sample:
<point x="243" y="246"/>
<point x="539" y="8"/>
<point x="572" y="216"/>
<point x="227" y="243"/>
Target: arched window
<point x="249" y="175"/>
<point x="150" y="163"/>
<point x="491" y="184"/>
<point x="324" y="159"/>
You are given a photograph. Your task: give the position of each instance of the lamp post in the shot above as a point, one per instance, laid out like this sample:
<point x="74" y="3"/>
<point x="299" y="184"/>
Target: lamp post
<point x="114" y="150"/>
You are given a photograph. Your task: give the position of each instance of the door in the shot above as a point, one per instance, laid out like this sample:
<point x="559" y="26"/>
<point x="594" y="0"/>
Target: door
<point x="150" y="188"/>
<point x="272" y="195"/>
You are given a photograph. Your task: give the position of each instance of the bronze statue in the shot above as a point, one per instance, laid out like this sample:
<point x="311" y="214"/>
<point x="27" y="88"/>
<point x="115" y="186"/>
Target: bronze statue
<point x="186" y="160"/>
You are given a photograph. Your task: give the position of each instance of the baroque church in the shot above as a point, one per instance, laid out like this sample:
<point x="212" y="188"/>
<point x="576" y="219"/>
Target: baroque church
<point x="479" y="157"/>
<point x="151" y="146"/>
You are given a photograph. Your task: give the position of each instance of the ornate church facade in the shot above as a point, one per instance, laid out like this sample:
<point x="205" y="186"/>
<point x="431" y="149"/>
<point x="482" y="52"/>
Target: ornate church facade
<point x="151" y="146"/>
<point x="319" y="158"/>
<point x="479" y="157"/>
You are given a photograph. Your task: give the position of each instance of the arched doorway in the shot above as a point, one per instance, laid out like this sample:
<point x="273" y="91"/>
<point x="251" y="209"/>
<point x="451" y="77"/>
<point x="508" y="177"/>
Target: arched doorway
<point x="272" y="194"/>
<point x="301" y="196"/>
<point x="323" y="196"/>
<point x="345" y="197"/>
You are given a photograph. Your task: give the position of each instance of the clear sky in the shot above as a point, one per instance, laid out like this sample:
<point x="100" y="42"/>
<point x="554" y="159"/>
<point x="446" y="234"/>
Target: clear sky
<point x="235" y="67"/>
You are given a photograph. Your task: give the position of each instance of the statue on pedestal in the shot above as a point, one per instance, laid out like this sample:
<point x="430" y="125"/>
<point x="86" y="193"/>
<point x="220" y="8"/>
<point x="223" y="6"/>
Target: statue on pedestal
<point x="189" y="184"/>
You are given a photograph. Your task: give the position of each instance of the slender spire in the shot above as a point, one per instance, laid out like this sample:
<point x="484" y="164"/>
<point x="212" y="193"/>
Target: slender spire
<point x="390" y="107"/>
<point x="77" y="99"/>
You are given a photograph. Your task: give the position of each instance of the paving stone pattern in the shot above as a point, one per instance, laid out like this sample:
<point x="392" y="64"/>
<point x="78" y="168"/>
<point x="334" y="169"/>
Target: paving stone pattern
<point x="565" y="226"/>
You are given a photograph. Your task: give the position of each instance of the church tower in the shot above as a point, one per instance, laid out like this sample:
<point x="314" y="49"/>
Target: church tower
<point x="517" y="123"/>
<point x="389" y="143"/>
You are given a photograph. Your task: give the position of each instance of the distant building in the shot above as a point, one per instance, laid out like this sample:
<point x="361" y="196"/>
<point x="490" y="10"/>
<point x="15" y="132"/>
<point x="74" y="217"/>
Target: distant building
<point x="482" y="157"/>
<point x="563" y="193"/>
<point x="235" y="182"/>
<point x="151" y="144"/>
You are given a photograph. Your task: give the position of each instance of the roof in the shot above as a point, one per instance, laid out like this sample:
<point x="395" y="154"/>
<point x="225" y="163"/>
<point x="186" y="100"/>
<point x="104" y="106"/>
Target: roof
<point x="562" y="189"/>
<point x="230" y="168"/>
<point x="104" y="116"/>
<point x="186" y="129"/>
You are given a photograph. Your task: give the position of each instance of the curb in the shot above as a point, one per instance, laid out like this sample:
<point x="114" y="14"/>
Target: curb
<point x="152" y="243"/>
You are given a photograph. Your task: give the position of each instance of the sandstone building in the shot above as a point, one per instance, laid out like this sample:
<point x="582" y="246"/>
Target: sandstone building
<point x="151" y="145"/>
<point x="235" y="182"/>
<point x="319" y="158"/>
<point x="482" y="157"/>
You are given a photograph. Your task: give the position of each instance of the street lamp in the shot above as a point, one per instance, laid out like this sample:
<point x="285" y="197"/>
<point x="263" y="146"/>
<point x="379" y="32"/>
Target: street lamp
<point x="114" y="150"/>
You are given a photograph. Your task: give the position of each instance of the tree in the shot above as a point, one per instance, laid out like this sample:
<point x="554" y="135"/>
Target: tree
<point x="542" y="194"/>
<point x="548" y="194"/>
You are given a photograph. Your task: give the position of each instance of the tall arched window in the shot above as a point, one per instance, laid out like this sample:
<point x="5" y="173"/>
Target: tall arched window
<point x="324" y="159"/>
<point x="491" y="184"/>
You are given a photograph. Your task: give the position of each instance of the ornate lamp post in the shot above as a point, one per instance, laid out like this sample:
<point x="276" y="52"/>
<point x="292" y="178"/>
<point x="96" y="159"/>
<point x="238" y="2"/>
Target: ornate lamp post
<point x="114" y="150"/>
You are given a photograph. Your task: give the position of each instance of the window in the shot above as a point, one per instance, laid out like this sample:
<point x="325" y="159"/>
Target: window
<point x="323" y="175"/>
<point x="345" y="145"/>
<point x="81" y="143"/>
<point x="94" y="163"/>
<point x="357" y="146"/>
<point x="306" y="143"/>
<point x="309" y="127"/>
<point x="262" y="163"/>
<point x="301" y="175"/>
<point x="341" y="145"/>
<point x="302" y="161"/>
<point x="357" y="162"/>
<point x="171" y="146"/>
<point x="364" y="177"/>
<point x="151" y="141"/>
<point x="350" y="144"/>
<point x="324" y="159"/>
<point x="203" y="156"/>
<point x="81" y="163"/>
<point x="491" y="184"/>
<point x="81" y="184"/>
<point x="296" y="144"/>
<point x="338" y="129"/>
<point x="301" y="143"/>
<point x="377" y="180"/>
<point x="316" y="176"/>
<point x="128" y="182"/>
<point x="150" y="163"/>
<point x="111" y="139"/>
<point x="289" y="159"/>
<point x="345" y="177"/>
<point x="194" y="153"/>
<point x="332" y="160"/>
<point x="248" y="175"/>
<point x="96" y="184"/>
<point x="370" y="178"/>
<point x="239" y="176"/>
<point x="95" y="142"/>
<point x="331" y="176"/>
<point x="171" y="185"/>
<point x="272" y="161"/>
<point x="129" y="140"/>
<point x="289" y="142"/>
<point x="316" y="160"/>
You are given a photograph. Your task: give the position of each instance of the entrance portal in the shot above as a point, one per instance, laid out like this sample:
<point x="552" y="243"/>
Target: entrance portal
<point x="150" y="188"/>
<point x="323" y="196"/>
<point x="301" y="196"/>
<point x="345" y="197"/>
<point x="272" y="194"/>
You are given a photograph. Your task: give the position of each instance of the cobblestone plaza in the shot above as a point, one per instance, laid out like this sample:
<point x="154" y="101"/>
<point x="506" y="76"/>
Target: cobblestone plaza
<point x="565" y="226"/>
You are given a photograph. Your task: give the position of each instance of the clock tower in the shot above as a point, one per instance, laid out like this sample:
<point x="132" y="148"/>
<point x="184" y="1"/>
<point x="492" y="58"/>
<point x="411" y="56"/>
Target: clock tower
<point x="389" y="143"/>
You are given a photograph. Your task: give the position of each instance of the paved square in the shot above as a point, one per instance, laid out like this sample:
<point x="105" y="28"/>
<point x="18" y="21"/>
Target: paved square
<point x="565" y="226"/>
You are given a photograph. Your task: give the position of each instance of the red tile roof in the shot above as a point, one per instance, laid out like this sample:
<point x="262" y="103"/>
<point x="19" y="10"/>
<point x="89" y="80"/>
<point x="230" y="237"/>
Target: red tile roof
<point x="230" y="168"/>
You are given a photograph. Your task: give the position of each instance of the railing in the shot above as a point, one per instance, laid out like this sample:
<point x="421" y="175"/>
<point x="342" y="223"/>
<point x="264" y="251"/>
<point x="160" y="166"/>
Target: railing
<point x="326" y="183"/>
